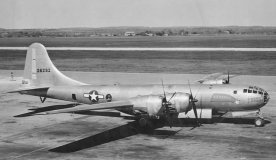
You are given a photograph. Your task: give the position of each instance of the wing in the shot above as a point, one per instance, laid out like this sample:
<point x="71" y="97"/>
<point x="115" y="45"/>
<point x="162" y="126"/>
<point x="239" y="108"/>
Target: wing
<point x="215" y="78"/>
<point x="210" y="77"/>
<point x="99" y="106"/>
<point x="225" y="77"/>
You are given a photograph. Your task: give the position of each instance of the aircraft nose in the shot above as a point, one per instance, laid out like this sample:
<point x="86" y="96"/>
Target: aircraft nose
<point x="266" y="97"/>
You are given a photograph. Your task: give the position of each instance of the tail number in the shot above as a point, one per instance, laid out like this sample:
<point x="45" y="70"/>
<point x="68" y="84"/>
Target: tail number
<point x="38" y="70"/>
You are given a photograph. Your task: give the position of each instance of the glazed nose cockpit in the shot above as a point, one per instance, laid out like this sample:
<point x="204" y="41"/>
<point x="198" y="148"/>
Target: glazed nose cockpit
<point x="258" y="91"/>
<point x="266" y="97"/>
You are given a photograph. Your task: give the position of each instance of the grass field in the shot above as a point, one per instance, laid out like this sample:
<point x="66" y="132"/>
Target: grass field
<point x="180" y="41"/>
<point x="189" y="62"/>
<point x="246" y="63"/>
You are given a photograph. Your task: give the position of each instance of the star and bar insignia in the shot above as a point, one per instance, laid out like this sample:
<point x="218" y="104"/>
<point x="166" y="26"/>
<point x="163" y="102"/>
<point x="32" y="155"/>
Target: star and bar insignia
<point x="93" y="96"/>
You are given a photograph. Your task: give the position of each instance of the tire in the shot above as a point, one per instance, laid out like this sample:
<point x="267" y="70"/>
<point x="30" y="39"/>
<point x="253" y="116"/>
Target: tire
<point x="259" y="122"/>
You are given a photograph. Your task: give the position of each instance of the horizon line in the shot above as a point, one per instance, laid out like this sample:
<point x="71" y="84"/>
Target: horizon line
<point x="199" y="26"/>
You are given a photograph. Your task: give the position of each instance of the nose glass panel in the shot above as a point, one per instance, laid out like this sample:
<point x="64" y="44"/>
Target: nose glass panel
<point x="266" y="97"/>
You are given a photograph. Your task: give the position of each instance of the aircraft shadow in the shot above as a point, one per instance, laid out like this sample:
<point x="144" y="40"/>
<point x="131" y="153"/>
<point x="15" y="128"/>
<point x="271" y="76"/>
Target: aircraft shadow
<point x="131" y="128"/>
<point x="45" y="109"/>
<point x="188" y="122"/>
<point x="36" y="111"/>
<point x="127" y="130"/>
<point x="248" y="120"/>
<point x="105" y="113"/>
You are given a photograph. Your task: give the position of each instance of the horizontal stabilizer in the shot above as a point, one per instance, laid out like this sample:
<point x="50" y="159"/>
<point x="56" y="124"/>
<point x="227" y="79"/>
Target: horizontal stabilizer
<point x="32" y="91"/>
<point x="35" y="111"/>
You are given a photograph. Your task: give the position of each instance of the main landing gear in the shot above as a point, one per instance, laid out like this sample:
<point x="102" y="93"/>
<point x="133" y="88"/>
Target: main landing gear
<point x="147" y="123"/>
<point x="259" y="121"/>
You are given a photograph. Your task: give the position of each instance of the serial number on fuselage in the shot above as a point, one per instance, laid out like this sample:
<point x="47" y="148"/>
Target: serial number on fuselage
<point x="43" y="70"/>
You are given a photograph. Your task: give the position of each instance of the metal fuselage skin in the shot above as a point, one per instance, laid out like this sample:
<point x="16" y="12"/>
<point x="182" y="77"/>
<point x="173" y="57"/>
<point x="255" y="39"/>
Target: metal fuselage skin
<point x="216" y="97"/>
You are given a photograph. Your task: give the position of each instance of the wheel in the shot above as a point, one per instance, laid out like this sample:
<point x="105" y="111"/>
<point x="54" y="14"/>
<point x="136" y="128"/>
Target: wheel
<point x="259" y="122"/>
<point x="143" y="122"/>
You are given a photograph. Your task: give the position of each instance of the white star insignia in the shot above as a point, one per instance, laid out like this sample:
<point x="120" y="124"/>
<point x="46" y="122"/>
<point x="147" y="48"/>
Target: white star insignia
<point x="93" y="96"/>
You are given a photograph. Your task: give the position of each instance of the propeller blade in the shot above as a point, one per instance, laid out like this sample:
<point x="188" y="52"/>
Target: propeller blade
<point x="190" y="99"/>
<point x="172" y="96"/>
<point x="195" y="111"/>
<point x="164" y="91"/>
<point x="197" y="92"/>
<point x="193" y="100"/>
<point x="228" y="78"/>
<point x="190" y="88"/>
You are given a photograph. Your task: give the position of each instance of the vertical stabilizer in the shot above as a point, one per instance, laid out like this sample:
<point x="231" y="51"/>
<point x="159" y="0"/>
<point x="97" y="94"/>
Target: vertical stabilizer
<point x="40" y="71"/>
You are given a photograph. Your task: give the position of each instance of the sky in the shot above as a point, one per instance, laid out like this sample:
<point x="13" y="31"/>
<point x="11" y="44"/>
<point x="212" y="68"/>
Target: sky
<point x="21" y="14"/>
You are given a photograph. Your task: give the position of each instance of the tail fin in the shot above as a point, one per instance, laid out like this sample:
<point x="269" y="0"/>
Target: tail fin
<point x="40" y="71"/>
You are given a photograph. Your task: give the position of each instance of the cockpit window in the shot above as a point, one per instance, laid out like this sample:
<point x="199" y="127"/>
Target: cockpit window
<point x="235" y="92"/>
<point x="260" y="92"/>
<point x="254" y="91"/>
<point x="249" y="91"/>
<point x="250" y="87"/>
<point x="244" y="90"/>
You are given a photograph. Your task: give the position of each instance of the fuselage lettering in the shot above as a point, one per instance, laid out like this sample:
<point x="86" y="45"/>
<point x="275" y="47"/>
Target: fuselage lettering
<point x="38" y="70"/>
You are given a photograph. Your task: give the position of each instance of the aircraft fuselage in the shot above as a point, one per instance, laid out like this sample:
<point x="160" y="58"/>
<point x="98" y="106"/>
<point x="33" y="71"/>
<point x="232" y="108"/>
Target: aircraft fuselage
<point x="217" y="97"/>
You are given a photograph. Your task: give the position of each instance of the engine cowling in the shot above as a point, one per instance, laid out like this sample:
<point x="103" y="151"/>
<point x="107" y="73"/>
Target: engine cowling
<point x="180" y="102"/>
<point x="152" y="104"/>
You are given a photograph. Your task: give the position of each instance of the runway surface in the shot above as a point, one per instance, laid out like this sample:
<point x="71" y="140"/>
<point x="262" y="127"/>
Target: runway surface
<point x="146" y="49"/>
<point x="32" y="137"/>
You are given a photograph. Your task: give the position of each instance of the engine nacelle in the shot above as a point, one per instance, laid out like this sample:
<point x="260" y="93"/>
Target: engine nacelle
<point x="180" y="102"/>
<point x="152" y="104"/>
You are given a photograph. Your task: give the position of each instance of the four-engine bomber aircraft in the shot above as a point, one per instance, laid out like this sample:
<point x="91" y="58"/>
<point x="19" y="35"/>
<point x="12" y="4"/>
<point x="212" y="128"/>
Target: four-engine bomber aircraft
<point x="146" y="102"/>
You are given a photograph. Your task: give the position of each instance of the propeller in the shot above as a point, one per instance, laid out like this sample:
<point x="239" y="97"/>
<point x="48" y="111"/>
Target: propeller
<point x="227" y="81"/>
<point x="166" y="103"/>
<point x="228" y="78"/>
<point x="192" y="100"/>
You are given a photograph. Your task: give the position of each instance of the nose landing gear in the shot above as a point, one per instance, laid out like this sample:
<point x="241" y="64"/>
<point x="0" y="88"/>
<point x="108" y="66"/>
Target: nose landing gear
<point x="259" y="121"/>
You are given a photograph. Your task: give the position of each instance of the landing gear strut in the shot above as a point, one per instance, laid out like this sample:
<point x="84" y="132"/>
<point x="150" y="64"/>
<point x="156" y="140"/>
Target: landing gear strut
<point x="259" y="121"/>
<point x="148" y="124"/>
